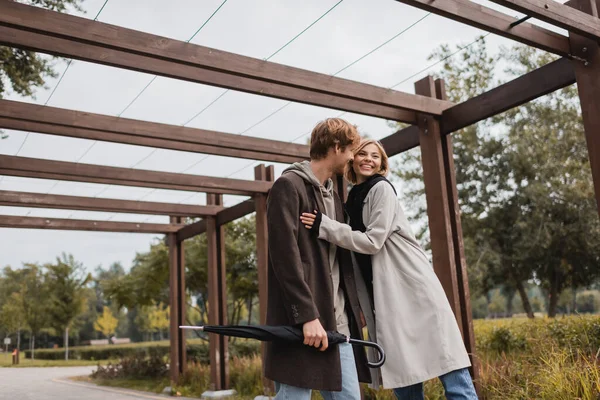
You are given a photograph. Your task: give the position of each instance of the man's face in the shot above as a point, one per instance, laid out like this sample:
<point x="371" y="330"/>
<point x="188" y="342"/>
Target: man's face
<point x="343" y="157"/>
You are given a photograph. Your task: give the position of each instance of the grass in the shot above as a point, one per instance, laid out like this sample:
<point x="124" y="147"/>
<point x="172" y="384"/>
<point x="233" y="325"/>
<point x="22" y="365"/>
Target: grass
<point x="6" y="362"/>
<point x="146" y="385"/>
<point x="520" y="359"/>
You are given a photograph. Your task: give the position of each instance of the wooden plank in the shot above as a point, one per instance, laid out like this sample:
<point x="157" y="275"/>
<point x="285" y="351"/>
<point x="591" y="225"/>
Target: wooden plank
<point x="39" y="200"/>
<point x="48" y="169"/>
<point x="588" y="85"/>
<point x="555" y="13"/>
<point x="213" y="301"/>
<point x="402" y="140"/>
<point x="158" y="66"/>
<point x="191" y="230"/>
<point x="174" y="347"/>
<point x="181" y="298"/>
<point x="217" y="297"/>
<point x="485" y="18"/>
<point x="464" y="294"/>
<point x="547" y="79"/>
<point x="224" y="216"/>
<point x="136" y="62"/>
<point x="79" y="29"/>
<point x="553" y="76"/>
<point x="83" y="125"/>
<point x="65" y="34"/>
<point x="13" y="221"/>
<point x="434" y="178"/>
<point x="223" y="345"/>
<point x="232" y="213"/>
<point x="261" y="173"/>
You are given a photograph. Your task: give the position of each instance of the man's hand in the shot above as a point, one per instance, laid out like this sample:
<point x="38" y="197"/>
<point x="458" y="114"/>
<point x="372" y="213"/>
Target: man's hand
<point x="315" y="335"/>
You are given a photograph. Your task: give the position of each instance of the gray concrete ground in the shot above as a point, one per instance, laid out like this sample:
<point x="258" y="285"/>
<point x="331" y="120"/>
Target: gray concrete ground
<point x="53" y="384"/>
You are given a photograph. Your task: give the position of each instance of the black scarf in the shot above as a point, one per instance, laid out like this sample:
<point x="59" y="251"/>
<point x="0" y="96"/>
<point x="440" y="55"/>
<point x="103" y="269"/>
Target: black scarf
<point x="354" y="209"/>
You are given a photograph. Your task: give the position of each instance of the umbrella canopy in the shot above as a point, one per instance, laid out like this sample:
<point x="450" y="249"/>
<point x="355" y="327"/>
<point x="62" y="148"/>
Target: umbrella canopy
<point x="288" y="334"/>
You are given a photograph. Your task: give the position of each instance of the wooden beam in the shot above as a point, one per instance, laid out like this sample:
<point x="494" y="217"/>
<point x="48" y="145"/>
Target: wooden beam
<point x="38" y="200"/>
<point x="588" y="85"/>
<point x="232" y="213"/>
<point x="402" y="140"/>
<point x="78" y="124"/>
<point x="262" y="173"/>
<point x="158" y="66"/>
<point x="485" y="18"/>
<point x="434" y="178"/>
<point x="13" y="221"/>
<point x="224" y="216"/>
<point x="213" y="301"/>
<point x="547" y="79"/>
<point x="69" y="171"/>
<point x="191" y="230"/>
<point x="217" y="298"/>
<point x="561" y="15"/>
<point x="69" y="36"/>
<point x="464" y="294"/>
<point x="176" y="337"/>
<point x="553" y="76"/>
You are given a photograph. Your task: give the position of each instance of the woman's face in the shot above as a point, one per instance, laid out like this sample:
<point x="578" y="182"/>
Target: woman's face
<point x="367" y="162"/>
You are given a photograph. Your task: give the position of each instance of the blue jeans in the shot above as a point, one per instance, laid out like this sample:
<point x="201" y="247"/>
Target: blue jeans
<point x="350" y="386"/>
<point x="458" y="385"/>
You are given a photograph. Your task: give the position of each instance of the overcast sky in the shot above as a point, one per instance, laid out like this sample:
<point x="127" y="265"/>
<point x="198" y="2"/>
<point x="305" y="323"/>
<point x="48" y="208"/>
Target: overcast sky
<point x="347" y="32"/>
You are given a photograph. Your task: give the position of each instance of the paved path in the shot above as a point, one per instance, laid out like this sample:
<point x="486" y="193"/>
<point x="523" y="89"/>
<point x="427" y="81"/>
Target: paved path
<point x="53" y="384"/>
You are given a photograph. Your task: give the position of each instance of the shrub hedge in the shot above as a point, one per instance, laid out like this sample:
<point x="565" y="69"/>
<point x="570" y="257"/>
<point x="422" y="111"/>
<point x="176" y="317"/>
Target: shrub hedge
<point x="196" y="350"/>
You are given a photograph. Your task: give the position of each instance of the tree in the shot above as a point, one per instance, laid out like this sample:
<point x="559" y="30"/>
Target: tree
<point x="21" y="308"/>
<point x="147" y="282"/>
<point x="158" y="319"/>
<point x="106" y="323"/>
<point x="35" y="311"/>
<point x="524" y="184"/>
<point x="67" y="280"/>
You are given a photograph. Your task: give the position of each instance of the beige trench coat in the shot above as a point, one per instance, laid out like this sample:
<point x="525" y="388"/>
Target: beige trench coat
<point x="412" y="318"/>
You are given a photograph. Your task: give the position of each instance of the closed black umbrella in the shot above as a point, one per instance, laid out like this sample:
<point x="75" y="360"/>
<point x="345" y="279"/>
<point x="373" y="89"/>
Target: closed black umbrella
<point x="288" y="334"/>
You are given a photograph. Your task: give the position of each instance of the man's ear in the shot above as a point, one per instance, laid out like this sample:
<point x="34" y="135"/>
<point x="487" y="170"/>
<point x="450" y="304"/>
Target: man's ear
<point x="337" y="149"/>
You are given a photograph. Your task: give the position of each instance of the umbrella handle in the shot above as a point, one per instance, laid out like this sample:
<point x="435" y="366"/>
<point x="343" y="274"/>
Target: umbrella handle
<point x="374" y="345"/>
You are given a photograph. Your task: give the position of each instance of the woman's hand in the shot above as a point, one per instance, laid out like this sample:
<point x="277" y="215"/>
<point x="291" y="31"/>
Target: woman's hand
<point x="308" y="219"/>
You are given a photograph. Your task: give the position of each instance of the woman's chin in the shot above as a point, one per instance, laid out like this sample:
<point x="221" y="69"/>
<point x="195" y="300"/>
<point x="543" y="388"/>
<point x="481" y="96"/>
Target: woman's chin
<point x="366" y="174"/>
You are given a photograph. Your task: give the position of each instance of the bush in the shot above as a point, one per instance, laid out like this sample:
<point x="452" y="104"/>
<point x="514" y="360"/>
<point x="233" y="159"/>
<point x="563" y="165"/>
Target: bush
<point x="134" y="367"/>
<point x="196" y="351"/>
<point x="503" y="340"/>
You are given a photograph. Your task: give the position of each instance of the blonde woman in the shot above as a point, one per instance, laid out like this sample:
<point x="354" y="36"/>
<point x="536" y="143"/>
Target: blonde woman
<point x="405" y="307"/>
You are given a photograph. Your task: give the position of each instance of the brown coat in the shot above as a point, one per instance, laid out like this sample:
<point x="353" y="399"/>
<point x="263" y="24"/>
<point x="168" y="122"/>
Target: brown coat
<point x="300" y="289"/>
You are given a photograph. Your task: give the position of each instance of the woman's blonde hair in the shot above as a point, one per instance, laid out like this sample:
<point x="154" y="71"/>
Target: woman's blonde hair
<point x="385" y="165"/>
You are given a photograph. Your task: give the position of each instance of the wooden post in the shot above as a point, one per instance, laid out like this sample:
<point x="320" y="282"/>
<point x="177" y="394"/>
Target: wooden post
<point x="177" y="303"/>
<point x="262" y="173"/>
<point x="466" y="323"/>
<point x="217" y="298"/>
<point x="436" y="192"/>
<point x="587" y="74"/>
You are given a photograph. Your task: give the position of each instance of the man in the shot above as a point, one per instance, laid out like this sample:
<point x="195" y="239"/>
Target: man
<point x="310" y="282"/>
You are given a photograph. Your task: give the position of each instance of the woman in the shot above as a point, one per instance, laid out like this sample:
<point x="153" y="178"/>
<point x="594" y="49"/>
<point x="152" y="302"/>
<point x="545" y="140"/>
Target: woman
<point x="405" y="306"/>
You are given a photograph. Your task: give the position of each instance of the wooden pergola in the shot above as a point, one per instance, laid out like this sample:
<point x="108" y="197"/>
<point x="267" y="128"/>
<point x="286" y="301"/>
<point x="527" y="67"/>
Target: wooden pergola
<point x="431" y="116"/>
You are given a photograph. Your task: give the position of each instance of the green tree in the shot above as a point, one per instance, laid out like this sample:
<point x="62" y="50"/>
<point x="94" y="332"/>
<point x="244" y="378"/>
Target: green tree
<point x="34" y="288"/>
<point x="67" y="281"/>
<point x="147" y="283"/>
<point x="106" y="323"/>
<point x="158" y="319"/>
<point x="524" y="183"/>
